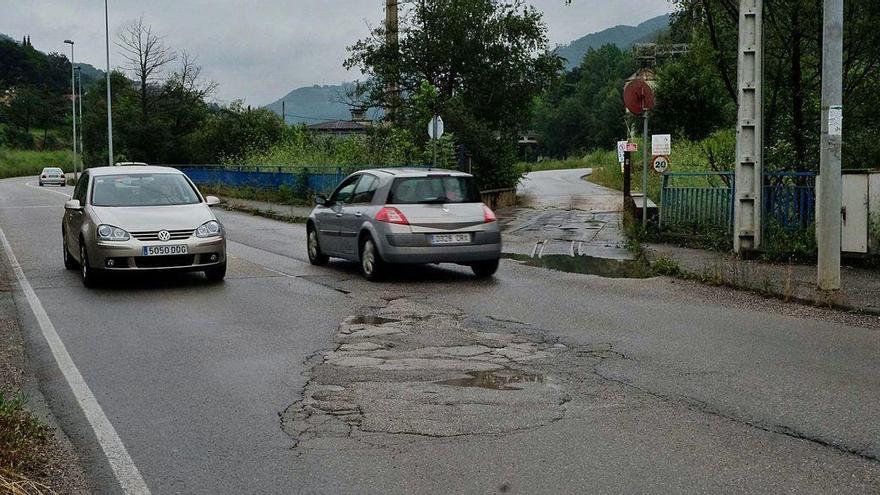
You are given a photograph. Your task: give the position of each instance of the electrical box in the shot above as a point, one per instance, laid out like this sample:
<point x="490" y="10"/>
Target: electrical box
<point x="860" y="211"/>
<point x="854" y="214"/>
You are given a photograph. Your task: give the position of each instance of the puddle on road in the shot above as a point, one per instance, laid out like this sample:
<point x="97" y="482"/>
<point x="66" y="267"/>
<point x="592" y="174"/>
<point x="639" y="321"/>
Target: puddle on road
<point x="495" y="380"/>
<point x="370" y="320"/>
<point x="590" y="265"/>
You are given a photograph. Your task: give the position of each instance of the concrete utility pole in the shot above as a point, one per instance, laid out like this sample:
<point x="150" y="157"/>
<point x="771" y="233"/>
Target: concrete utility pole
<point x="645" y="173"/>
<point x="392" y="39"/>
<point x="109" y="103"/>
<point x="829" y="193"/>
<point x="750" y="128"/>
<point x="73" y="101"/>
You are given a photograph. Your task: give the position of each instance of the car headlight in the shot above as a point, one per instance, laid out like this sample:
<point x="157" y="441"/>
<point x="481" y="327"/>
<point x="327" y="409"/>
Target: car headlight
<point x="209" y="229"/>
<point x="111" y="233"/>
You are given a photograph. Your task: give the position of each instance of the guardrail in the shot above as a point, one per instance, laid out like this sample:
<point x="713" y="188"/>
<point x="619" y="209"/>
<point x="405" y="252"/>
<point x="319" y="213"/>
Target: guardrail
<point x="319" y="178"/>
<point x="499" y="198"/>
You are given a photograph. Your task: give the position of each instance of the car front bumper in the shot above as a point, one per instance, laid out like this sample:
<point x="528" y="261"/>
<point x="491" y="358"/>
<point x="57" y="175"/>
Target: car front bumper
<point x="129" y="255"/>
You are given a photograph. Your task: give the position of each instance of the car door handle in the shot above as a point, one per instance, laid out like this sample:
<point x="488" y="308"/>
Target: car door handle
<point x="358" y="214"/>
<point x="338" y="215"/>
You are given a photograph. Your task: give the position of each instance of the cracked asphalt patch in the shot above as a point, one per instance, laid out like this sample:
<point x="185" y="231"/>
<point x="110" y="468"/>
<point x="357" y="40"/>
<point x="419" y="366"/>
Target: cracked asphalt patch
<point x="413" y="398"/>
<point x="414" y="370"/>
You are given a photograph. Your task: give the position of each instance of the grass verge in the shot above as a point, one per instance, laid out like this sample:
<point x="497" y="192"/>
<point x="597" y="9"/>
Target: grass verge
<point x="23" y="438"/>
<point x="20" y="163"/>
<point x="284" y="195"/>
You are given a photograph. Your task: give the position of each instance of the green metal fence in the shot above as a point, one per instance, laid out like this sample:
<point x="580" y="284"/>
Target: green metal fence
<point x="696" y="198"/>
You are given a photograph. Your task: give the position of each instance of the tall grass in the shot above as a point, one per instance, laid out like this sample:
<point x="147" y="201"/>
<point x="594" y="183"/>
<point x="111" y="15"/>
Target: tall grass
<point x="19" y="163"/>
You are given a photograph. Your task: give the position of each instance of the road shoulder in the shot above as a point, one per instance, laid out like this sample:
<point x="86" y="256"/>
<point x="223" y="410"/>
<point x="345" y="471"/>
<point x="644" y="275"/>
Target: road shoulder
<point x="56" y="465"/>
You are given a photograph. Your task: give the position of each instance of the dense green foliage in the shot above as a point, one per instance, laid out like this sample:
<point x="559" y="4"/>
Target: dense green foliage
<point x="583" y="109"/>
<point x="793" y="47"/>
<point x="478" y="63"/>
<point x="32" y="103"/>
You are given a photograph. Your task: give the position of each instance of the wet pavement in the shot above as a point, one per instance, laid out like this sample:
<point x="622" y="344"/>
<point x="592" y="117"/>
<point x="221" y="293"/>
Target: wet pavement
<point x="563" y="214"/>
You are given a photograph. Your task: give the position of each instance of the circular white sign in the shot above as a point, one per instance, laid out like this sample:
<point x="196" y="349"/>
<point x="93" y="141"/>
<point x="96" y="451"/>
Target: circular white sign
<point x="439" y="123"/>
<point x="661" y="163"/>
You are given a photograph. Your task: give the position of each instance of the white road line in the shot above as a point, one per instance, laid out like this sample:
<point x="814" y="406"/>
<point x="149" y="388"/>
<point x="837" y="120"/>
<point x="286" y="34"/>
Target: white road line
<point x="126" y="472"/>
<point x="30" y="184"/>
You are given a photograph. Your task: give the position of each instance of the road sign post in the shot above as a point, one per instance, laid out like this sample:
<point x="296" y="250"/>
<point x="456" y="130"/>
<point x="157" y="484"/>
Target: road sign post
<point x="639" y="99"/>
<point x="435" y="131"/>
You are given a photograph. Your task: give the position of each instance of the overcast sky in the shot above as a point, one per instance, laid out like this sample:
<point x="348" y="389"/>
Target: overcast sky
<point x="259" y="50"/>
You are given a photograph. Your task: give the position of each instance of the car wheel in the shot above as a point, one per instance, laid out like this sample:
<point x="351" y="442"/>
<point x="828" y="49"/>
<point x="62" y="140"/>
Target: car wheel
<point x="316" y="257"/>
<point x="372" y="265"/>
<point x="90" y="276"/>
<point x="69" y="262"/>
<point x="216" y="273"/>
<point x="485" y="269"/>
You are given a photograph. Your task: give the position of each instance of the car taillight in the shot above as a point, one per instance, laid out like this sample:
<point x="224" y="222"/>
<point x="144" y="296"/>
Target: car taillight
<point x="389" y="214"/>
<point x="488" y="215"/>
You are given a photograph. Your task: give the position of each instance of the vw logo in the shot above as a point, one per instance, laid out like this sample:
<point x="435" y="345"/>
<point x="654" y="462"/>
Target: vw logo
<point x="164" y="235"/>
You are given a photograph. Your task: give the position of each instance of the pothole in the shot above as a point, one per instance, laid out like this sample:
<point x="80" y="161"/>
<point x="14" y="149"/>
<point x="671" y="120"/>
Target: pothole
<point x="418" y="370"/>
<point x="370" y="320"/>
<point x="590" y="265"/>
<point x="496" y="380"/>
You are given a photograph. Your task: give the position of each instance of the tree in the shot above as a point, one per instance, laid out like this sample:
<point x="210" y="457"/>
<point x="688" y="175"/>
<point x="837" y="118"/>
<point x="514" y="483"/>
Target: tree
<point x="793" y="45"/>
<point x="145" y="55"/>
<point x="486" y="60"/>
<point x="583" y="110"/>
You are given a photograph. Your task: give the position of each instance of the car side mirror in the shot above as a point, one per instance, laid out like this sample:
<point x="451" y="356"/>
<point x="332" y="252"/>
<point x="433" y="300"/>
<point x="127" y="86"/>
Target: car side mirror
<point x="212" y="200"/>
<point x="321" y="200"/>
<point x="73" y="205"/>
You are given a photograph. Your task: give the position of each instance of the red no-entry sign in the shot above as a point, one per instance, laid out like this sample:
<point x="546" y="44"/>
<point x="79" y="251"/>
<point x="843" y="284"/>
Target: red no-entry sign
<point x="638" y="97"/>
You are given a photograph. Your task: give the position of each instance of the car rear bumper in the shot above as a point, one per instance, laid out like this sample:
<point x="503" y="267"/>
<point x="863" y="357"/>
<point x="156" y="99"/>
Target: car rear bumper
<point x="57" y="182"/>
<point x="128" y="256"/>
<point x="441" y="254"/>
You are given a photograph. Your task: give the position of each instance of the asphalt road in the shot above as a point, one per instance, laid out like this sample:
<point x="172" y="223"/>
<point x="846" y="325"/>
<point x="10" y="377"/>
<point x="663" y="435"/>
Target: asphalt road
<point x="661" y="385"/>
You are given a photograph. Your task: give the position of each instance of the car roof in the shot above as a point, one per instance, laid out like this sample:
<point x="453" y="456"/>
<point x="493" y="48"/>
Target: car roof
<point x="416" y="172"/>
<point x="132" y="170"/>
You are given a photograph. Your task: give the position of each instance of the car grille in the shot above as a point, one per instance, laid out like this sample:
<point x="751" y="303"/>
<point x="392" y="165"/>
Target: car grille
<point x="164" y="261"/>
<point x="153" y="235"/>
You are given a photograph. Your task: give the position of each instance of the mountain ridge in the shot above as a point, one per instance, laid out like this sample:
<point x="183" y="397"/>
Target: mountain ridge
<point x="621" y="36"/>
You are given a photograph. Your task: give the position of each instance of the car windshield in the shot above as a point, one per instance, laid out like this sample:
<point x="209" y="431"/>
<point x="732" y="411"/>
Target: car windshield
<point x="52" y="171"/>
<point x="433" y="189"/>
<point x="143" y="190"/>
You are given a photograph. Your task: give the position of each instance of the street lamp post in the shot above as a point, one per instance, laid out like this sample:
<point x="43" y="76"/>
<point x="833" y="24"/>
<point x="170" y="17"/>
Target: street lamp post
<point x="109" y="103"/>
<point x="73" y="101"/>
<point x="79" y="82"/>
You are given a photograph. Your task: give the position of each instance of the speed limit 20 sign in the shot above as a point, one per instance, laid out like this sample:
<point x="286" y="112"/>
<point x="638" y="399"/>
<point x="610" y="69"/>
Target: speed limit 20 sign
<point x="661" y="163"/>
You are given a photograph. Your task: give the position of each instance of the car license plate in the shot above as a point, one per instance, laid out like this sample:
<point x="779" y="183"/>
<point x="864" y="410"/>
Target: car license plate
<point x="450" y="239"/>
<point x="164" y="250"/>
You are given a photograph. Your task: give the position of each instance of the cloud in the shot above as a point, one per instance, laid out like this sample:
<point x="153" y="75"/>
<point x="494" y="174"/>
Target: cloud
<point x="260" y="50"/>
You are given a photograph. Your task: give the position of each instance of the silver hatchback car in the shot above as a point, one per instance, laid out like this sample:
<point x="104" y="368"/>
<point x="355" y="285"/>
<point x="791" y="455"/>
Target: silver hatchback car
<point x="141" y="218"/>
<point x="408" y="216"/>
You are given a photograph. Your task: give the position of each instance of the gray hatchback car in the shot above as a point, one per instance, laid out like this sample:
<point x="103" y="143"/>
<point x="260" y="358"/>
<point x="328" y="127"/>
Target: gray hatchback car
<point x="405" y="216"/>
